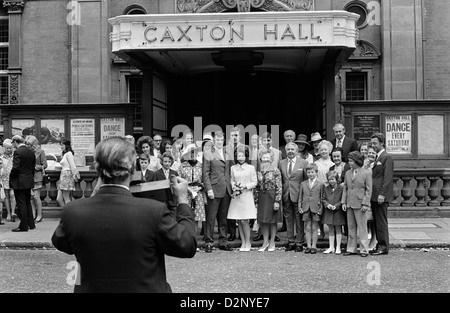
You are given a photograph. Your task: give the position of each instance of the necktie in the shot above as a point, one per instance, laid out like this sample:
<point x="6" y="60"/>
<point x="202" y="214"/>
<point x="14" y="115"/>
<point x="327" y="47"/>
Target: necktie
<point x="339" y="145"/>
<point x="290" y="167"/>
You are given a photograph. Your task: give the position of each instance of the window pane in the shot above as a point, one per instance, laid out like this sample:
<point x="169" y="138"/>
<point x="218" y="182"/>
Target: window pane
<point x="4" y="58"/>
<point x="355" y="86"/>
<point x="4" y="30"/>
<point x="4" y="89"/>
<point x="135" y="95"/>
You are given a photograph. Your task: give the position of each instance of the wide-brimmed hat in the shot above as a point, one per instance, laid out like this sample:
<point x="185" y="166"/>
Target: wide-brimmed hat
<point x="315" y="137"/>
<point x="302" y="139"/>
<point x="206" y="137"/>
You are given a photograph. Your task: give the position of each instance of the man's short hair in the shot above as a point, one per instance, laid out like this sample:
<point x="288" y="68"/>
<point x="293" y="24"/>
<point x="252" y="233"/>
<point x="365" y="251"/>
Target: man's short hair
<point x="380" y="137"/>
<point x="115" y="159"/>
<point x="293" y="144"/>
<point x="339" y="124"/>
<point x="219" y="134"/>
<point x="289" y="131"/>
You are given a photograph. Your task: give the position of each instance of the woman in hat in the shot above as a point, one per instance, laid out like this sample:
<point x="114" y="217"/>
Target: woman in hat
<point x="315" y="140"/>
<point x="303" y="146"/>
<point x="191" y="170"/>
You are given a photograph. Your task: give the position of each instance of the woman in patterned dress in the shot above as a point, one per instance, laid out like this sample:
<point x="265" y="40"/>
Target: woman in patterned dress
<point x="268" y="198"/>
<point x="191" y="170"/>
<point x="10" y="200"/>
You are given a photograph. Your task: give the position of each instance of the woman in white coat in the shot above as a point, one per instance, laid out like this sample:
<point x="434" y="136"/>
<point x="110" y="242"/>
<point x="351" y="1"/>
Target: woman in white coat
<point x="242" y="206"/>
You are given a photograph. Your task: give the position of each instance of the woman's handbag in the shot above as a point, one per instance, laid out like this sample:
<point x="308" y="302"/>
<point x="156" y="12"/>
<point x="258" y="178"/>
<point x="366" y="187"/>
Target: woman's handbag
<point x="45" y="177"/>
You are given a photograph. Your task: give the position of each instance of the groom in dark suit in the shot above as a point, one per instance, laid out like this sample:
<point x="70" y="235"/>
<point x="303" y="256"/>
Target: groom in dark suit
<point x="119" y="240"/>
<point x="382" y="192"/>
<point x="217" y="181"/>
<point x="21" y="180"/>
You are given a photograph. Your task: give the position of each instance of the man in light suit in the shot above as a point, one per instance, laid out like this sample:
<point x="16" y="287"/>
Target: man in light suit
<point x="383" y="192"/>
<point x="119" y="240"/>
<point x="217" y="181"/>
<point x="293" y="172"/>
<point x="21" y="180"/>
<point x="356" y="201"/>
<point x="347" y="143"/>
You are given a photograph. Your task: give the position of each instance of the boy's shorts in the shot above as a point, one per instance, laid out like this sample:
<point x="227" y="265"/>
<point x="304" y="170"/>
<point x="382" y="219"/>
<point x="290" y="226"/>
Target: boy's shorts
<point x="310" y="216"/>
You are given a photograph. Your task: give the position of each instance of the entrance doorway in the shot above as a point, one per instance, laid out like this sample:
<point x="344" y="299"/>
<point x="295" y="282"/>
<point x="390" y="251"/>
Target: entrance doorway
<point x="257" y="98"/>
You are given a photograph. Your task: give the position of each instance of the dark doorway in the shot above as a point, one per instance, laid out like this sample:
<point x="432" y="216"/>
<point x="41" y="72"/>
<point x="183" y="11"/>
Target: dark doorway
<point x="260" y="98"/>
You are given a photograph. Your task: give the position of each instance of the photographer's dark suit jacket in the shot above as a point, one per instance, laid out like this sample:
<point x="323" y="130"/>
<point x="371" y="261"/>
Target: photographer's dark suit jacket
<point x="162" y="195"/>
<point x="120" y="240"/>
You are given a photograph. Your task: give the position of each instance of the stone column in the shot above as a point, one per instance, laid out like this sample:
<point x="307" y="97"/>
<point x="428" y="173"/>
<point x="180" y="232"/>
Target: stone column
<point x="15" y="10"/>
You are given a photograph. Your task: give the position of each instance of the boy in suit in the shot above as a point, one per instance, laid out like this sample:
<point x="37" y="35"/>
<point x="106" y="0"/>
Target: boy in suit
<point x="310" y="205"/>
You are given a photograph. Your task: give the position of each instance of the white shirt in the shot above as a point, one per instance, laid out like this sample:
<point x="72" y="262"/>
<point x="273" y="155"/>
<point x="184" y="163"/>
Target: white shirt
<point x="379" y="153"/>
<point x="116" y="185"/>
<point x="220" y="151"/>
<point x="312" y="182"/>
<point x="166" y="173"/>
<point x="293" y="163"/>
<point x="340" y="142"/>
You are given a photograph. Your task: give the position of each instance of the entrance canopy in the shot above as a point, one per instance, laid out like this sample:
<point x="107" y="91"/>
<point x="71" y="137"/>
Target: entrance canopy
<point x="297" y="42"/>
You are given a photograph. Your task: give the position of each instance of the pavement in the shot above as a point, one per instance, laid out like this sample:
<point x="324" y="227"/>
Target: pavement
<point x="404" y="233"/>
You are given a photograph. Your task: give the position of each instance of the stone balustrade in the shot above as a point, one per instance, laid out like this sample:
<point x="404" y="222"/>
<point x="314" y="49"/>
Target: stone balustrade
<point x="83" y="188"/>
<point x="417" y="190"/>
<point x="421" y="188"/>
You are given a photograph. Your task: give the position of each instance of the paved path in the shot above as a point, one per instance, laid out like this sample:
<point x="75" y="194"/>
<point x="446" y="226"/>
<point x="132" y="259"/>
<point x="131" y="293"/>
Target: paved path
<point x="404" y="233"/>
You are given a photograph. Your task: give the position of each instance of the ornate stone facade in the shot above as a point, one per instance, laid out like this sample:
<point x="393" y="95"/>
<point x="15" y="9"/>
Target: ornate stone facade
<point x="215" y="6"/>
<point x="14" y="6"/>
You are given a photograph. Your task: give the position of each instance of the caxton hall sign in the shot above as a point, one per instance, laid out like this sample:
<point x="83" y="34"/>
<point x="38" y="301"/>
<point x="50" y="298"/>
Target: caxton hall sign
<point x="234" y="30"/>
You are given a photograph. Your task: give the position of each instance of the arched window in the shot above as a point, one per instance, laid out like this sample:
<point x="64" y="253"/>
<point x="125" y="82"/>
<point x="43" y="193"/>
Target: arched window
<point x="134" y="9"/>
<point x="360" y="8"/>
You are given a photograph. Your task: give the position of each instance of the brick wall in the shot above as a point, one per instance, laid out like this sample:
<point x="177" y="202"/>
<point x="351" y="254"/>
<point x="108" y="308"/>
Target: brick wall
<point x="436" y="46"/>
<point x="45" y="52"/>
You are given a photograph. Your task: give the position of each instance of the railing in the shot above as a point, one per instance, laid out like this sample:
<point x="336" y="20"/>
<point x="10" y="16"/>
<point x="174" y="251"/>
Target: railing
<point x="83" y="188"/>
<point x="421" y="188"/>
<point x="412" y="187"/>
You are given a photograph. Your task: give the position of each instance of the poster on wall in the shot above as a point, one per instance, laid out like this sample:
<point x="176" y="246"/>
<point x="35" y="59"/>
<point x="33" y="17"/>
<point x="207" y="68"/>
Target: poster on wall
<point x="82" y="134"/>
<point x="398" y="134"/>
<point x="52" y="132"/>
<point x="23" y="127"/>
<point x="112" y="127"/>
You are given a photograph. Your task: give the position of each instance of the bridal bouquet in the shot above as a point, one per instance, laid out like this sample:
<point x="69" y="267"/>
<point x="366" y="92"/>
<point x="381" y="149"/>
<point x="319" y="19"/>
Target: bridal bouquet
<point x="237" y="190"/>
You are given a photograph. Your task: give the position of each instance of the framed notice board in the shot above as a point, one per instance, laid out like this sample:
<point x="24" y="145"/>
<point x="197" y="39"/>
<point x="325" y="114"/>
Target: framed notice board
<point x="364" y="125"/>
